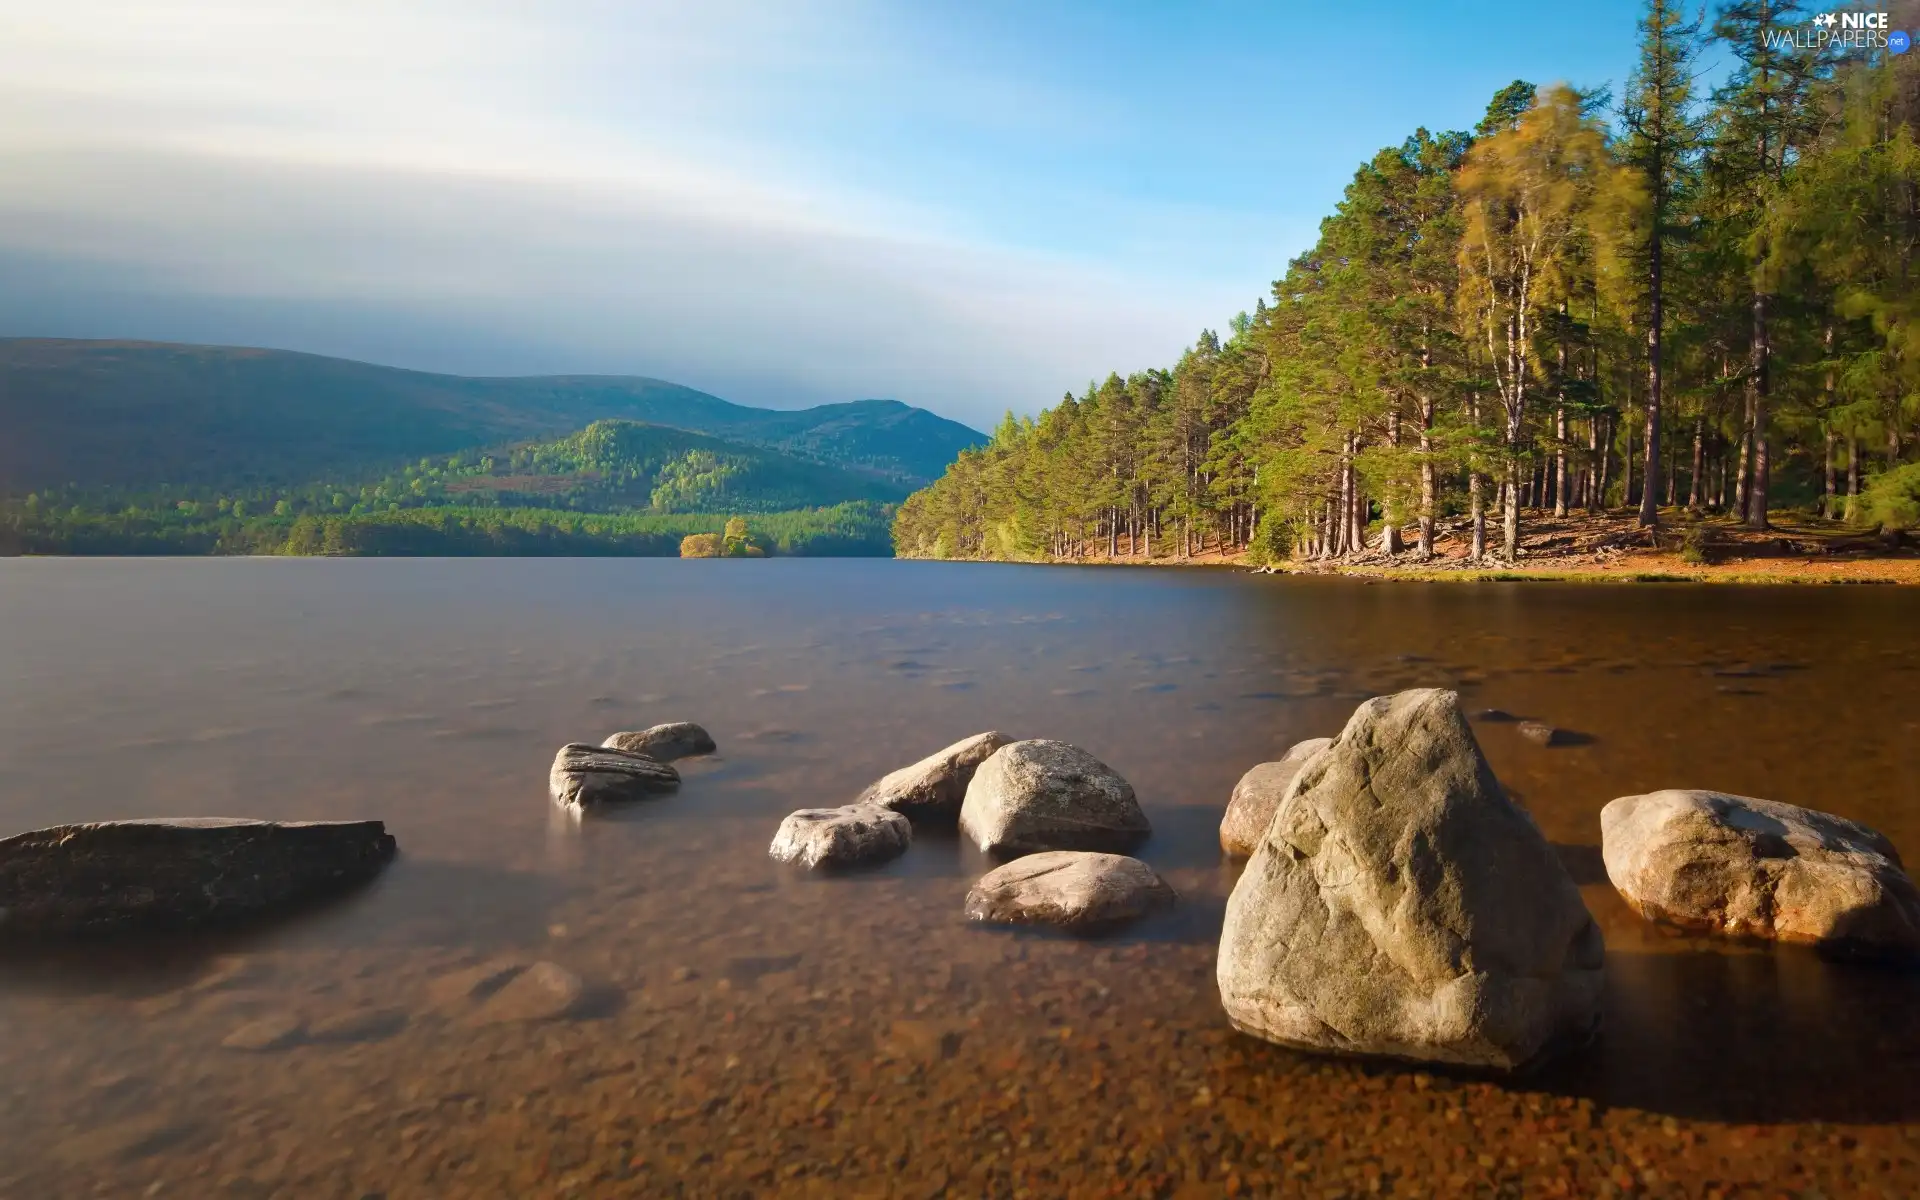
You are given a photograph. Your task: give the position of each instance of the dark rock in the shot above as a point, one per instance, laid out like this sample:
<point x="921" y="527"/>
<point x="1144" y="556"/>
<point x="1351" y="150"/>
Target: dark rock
<point x="178" y="872"/>
<point x="1539" y="733"/>
<point x="1047" y="795"/>
<point x="585" y="776"/>
<point x="664" y="743"/>
<point x="1494" y="714"/>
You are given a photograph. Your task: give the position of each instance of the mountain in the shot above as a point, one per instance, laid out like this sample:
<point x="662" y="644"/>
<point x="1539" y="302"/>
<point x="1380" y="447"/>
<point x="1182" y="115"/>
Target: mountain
<point x="137" y="414"/>
<point x="627" y="466"/>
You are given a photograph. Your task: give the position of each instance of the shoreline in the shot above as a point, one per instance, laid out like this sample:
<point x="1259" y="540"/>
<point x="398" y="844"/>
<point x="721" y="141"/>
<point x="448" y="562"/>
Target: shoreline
<point x="1605" y="548"/>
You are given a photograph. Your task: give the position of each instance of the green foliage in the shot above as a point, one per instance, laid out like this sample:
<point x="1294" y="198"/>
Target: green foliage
<point x="1893" y="500"/>
<point x="1272" y="542"/>
<point x="739" y="542"/>
<point x="1697" y="544"/>
<point x="1486" y="314"/>
<point x="700" y="545"/>
<point x="856" y="529"/>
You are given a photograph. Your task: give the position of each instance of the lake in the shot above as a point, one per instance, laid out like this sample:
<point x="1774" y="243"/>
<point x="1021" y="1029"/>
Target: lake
<point x="757" y="1031"/>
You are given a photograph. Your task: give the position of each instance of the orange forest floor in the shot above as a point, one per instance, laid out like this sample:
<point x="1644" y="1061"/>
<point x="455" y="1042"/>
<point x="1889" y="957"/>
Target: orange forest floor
<point x="1610" y="547"/>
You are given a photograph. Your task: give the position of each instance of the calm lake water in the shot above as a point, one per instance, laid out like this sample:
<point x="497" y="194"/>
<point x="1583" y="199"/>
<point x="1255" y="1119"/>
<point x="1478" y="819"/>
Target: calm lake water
<point x="757" y="1031"/>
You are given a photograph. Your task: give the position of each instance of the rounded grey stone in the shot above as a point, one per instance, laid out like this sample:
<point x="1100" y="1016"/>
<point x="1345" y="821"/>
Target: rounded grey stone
<point x="664" y="743"/>
<point x="1046" y="795"/>
<point x="1259" y="793"/>
<point x="841" y="837"/>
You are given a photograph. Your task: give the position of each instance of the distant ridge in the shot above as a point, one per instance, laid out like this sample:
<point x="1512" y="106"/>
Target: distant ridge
<point x="132" y="414"/>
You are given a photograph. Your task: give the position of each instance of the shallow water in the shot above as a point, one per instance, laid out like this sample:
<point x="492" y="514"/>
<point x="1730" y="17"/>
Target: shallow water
<point x="756" y="1031"/>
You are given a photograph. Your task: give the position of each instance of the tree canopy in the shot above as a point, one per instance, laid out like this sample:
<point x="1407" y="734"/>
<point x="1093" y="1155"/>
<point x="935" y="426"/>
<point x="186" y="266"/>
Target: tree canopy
<point x="1681" y="299"/>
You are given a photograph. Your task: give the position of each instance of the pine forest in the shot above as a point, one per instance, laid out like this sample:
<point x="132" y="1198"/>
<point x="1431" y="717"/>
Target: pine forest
<point x="1691" y="301"/>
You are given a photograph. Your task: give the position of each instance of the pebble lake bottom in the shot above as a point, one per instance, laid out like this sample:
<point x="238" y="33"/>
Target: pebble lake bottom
<point x="753" y="1030"/>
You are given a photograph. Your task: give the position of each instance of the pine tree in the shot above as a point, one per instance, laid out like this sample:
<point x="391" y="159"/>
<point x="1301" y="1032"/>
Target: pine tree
<point x="1661" y="141"/>
<point x="1526" y="192"/>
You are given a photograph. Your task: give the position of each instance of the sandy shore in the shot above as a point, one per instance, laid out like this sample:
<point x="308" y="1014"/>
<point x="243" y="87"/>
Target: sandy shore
<point x="1612" y="548"/>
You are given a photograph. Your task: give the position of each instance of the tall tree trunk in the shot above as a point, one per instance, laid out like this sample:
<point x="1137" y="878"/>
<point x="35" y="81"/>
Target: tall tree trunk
<point x="1650" y="464"/>
<point x="1560" y="459"/>
<point x="1626" y="463"/>
<point x="1429" y="485"/>
<point x="1605" y="465"/>
<point x="1596" y="465"/>
<point x="1827" y="407"/>
<point x="1390" y="529"/>
<point x="1853" y="478"/>
<point x="1673" y="471"/>
<point x="1510" y="531"/>
<point x="1695" y="490"/>
<point x="1477" y="503"/>
<point x="1745" y="470"/>
<point x="1356" y="502"/>
<point x="1826" y="461"/>
<point x="1759" y="358"/>
<point x="1560" y="423"/>
<point x="1344" y="535"/>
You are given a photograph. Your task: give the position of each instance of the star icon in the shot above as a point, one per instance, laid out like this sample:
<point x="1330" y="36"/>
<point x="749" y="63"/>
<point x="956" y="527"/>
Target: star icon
<point x="1823" y="20"/>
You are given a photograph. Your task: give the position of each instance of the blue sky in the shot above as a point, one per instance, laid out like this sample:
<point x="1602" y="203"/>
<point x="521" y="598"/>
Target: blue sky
<point x="968" y="206"/>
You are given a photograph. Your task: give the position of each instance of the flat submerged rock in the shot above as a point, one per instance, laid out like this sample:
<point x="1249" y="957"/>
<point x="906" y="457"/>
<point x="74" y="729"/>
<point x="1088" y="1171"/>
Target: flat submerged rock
<point x="178" y="872"/>
<point x="1079" y="891"/>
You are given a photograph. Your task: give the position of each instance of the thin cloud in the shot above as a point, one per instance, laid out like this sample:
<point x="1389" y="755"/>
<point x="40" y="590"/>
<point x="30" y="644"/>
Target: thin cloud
<point x="576" y="186"/>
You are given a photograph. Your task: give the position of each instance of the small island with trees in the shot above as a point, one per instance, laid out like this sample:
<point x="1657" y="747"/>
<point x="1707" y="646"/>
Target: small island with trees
<point x="735" y="541"/>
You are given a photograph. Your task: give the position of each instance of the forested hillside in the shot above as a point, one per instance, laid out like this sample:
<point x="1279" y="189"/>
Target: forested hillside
<point x="615" y="487"/>
<point x="142" y="415"/>
<point x="1667" y="298"/>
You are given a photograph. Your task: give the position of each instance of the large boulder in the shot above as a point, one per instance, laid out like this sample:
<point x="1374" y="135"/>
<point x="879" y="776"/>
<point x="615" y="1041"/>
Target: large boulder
<point x="934" y="788"/>
<point x="664" y="743"/>
<point x="1046" y="795"/>
<point x="1258" y="794"/>
<point x="1741" y="867"/>
<point x="584" y="776"/>
<point x="1073" y="889"/>
<point x="178" y="872"/>
<point x="1401" y="905"/>
<point x="841" y="837"/>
